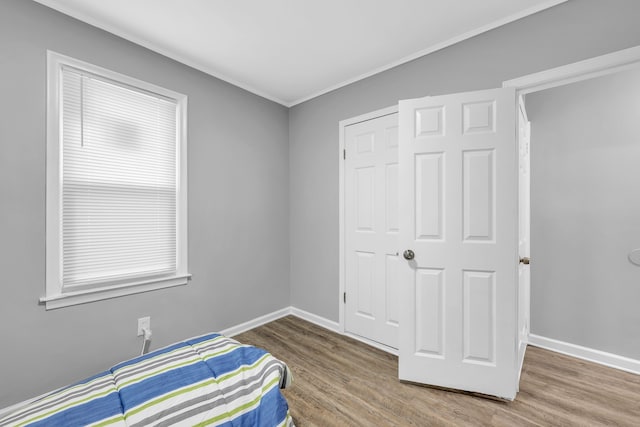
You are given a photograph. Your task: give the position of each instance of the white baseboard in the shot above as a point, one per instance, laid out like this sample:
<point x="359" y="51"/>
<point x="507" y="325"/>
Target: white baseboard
<point x="603" y="358"/>
<point x="314" y="318"/>
<point x="270" y="317"/>
<point x="258" y="321"/>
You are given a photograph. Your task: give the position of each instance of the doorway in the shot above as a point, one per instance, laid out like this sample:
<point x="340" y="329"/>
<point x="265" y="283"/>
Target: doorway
<point x="586" y="152"/>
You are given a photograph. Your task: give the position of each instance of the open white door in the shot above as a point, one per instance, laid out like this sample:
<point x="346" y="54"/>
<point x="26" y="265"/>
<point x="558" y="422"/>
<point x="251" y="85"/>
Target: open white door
<point x="459" y="227"/>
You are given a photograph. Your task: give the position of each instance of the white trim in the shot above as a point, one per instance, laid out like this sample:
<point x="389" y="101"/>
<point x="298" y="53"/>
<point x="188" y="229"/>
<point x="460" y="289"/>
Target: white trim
<point x="592" y="355"/>
<point x="278" y="314"/>
<point x="61" y="7"/>
<point x="182" y="187"/>
<point x="254" y="323"/>
<point x="58" y="60"/>
<point x="53" y="210"/>
<point x="577" y="71"/>
<point x="341" y="203"/>
<point x="369" y="116"/>
<point x="96" y="294"/>
<point x="315" y="319"/>
<point x="55" y="294"/>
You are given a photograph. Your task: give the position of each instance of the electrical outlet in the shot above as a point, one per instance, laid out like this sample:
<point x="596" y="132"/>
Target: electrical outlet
<point x="143" y="323"/>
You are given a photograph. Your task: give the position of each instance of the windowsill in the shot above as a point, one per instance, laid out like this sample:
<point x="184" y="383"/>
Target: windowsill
<point x="89" y="295"/>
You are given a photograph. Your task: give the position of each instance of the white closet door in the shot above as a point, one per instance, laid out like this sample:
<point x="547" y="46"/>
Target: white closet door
<point x="371" y="230"/>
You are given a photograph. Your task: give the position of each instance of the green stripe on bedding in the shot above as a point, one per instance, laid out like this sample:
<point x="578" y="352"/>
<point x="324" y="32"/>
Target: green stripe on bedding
<point x="109" y="421"/>
<point x="168" y="396"/>
<point x="238" y="409"/>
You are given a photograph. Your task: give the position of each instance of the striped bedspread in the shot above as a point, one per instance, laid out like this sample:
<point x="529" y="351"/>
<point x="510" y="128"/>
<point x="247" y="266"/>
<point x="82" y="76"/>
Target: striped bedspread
<point x="209" y="380"/>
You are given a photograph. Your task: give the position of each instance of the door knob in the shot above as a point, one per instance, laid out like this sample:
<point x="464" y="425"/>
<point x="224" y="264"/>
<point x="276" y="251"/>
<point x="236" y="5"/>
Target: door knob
<point x="408" y="254"/>
<point x="525" y="260"/>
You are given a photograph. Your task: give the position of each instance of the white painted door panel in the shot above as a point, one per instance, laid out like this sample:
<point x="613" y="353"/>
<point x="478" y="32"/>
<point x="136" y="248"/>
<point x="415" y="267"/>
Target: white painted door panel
<point x="458" y="213"/>
<point x="371" y="230"/>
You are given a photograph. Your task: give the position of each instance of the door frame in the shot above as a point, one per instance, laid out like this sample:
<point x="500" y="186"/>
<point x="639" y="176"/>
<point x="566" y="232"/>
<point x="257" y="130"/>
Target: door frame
<point x="341" y="218"/>
<point x="582" y="70"/>
<point x="614" y="62"/>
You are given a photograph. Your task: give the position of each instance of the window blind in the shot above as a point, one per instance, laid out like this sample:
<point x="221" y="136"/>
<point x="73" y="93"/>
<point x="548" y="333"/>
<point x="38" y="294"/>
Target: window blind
<point x="118" y="196"/>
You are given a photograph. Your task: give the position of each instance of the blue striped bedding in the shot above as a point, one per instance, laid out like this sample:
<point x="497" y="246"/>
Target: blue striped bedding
<point x="209" y="380"/>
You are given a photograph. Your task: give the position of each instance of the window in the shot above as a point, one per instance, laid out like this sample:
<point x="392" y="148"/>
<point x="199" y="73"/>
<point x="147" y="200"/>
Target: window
<point x="116" y="185"/>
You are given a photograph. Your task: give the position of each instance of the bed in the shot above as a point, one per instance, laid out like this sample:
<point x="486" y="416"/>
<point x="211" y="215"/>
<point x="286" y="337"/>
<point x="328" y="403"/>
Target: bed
<point x="207" y="380"/>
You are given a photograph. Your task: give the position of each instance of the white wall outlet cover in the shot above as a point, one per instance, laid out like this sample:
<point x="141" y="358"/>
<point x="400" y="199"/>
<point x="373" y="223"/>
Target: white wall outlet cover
<point x="143" y="323"/>
<point x="634" y="256"/>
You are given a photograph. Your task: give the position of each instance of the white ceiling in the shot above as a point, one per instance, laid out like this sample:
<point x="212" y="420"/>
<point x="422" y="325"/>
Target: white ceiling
<point x="293" y="50"/>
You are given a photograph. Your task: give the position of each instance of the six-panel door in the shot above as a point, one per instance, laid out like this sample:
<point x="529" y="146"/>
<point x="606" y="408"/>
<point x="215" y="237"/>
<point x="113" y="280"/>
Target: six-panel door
<point x="371" y="230"/>
<point x="458" y="213"/>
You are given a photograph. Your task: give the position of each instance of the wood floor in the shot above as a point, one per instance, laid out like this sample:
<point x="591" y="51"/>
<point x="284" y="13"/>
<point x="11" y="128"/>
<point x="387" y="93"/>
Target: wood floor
<point x="339" y="381"/>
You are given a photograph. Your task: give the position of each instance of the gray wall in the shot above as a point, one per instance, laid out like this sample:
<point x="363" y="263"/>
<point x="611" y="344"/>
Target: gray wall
<point x="585" y="213"/>
<point x="238" y="200"/>
<point x="561" y="35"/>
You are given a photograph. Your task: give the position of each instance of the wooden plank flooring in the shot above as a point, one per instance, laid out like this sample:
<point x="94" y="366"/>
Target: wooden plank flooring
<point x="339" y="381"/>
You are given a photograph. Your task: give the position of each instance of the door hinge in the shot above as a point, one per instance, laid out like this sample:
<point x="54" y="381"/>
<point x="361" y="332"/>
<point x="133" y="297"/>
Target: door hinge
<point x="344" y="297"/>
<point x="344" y="154"/>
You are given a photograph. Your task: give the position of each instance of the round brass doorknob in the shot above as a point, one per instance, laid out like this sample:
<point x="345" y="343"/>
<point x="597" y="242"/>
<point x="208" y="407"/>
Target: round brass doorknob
<point x="525" y="260"/>
<point x="408" y="254"/>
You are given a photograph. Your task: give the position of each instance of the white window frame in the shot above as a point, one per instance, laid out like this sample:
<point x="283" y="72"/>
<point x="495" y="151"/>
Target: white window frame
<point x="55" y="294"/>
